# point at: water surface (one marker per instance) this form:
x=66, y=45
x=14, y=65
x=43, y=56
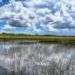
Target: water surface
x=22, y=58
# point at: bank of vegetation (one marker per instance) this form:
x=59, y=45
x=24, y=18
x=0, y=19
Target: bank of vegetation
x=37, y=38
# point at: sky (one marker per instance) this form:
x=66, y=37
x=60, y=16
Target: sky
x=41, y=17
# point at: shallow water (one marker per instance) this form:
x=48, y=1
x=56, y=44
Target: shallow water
x=22, y=58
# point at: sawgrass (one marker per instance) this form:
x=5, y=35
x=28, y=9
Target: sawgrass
x=37, y=38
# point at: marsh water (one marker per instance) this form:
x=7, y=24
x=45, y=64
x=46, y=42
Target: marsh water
x=30, y=58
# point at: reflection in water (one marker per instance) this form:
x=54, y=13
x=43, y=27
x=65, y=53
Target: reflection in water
x=36, y=59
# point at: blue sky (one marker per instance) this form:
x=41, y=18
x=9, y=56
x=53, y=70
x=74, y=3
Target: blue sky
x=42, y=17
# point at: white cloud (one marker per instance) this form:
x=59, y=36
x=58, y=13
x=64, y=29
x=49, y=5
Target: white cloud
x=7, y=27
x=26, y=14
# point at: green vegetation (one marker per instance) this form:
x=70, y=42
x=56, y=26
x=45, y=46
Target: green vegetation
x=38, y=38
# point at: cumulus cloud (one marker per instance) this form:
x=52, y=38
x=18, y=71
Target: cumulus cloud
x=38, y=16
